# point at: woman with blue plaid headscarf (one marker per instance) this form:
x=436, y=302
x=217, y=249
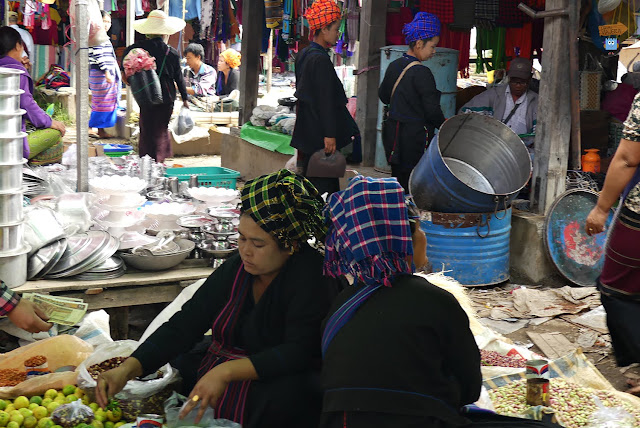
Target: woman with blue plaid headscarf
x=413, y=102
x=397, y=351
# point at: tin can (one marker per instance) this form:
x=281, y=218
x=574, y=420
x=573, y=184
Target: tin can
x=149, y=421
x=538, y=392
x=173, y=185
x=193, y=181
x=537, y=369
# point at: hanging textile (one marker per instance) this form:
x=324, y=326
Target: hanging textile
x=510, y=16
x=395, y=23
x=193, y=9
x=353, y=24
x=493, y=40
x=518, y=41
x=487, y=10
x=286, y=19
x=29, y=18
x=443, y=9
x=45, y=17
x=460, y=41
x=273, y=13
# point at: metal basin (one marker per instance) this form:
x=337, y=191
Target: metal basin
x=11, y=148
x=13, y=267
x=9, y=79
x=155, y=263
x=41, y=227
x=11, y=207
x=11, y=238
x=476, y=164
x=11, y=123
x=10, y=101
x=11, y=177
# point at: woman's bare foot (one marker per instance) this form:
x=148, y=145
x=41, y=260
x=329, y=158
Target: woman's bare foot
x=103, y=134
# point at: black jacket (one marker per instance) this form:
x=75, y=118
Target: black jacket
x=414, y=111
x=171, y=72
x=322, y=104
x=407, y=350
x=223, y=89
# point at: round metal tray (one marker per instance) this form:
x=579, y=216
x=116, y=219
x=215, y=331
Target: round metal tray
x=59, y=252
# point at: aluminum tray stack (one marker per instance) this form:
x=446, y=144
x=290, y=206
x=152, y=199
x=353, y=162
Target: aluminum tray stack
x=13, y=249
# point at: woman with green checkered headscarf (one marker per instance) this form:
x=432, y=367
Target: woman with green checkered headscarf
x=264, y=307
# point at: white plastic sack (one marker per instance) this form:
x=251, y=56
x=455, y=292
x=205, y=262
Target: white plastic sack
x=69, y=158
x=173, y=406
x=184, y=123
x=605, y=6
x=292, y=164
x=134, y=389
x=94, y=328
x=95, y=26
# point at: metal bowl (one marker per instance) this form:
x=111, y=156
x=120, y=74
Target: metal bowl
x=13, y=267
x=11, y=207
x=10, y=79
x=11, y=238
x=217, y=248
x=11, y=177
x=11, y=148
x=11, y=124
x=10, y=101
x=219, y=230
x=159, y=196
x=42, y=227
x=155, y=263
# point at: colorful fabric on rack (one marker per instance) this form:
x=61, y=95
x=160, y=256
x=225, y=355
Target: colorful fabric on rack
x=460, y=41
x=509, y=15
x=443, y=9
x=273, y=13
x=353, y=24
x=395, y=22
x=518, y=41
x=487, y=10
x=321, y=14
x=424, y=26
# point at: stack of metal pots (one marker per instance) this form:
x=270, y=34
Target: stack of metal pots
x=13, y=248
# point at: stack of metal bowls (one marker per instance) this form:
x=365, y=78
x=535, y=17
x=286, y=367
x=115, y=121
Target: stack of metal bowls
x=13, y=249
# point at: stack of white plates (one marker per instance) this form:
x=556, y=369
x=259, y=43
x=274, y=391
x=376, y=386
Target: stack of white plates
x=118, y=202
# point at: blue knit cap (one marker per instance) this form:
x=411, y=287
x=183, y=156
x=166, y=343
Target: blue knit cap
x=424, y=26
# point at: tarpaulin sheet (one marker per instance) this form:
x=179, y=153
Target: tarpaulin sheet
x=269, y=140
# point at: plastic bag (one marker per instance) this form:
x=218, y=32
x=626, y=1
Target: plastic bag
x=173, y=406
x=139, y=396
x=610, y=417
x=95, y=26
x=184, y=124
x=94, y=328
x=145, y=86
x=72, y=414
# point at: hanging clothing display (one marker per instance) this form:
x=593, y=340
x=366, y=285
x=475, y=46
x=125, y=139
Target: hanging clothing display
x=460, y=41
x=395, y=23
x=353, y=24
x=273, y=13
x=510, y=16
x=493, y=40
x=518, y=41
x=443, y=9
x=193, y=9
x=487, y=10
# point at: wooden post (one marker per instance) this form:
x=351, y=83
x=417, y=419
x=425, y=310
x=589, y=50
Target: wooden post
x=372, y=37
x=270, y=62
x=553, y=128
x=250, y=70
x=129, y=37
x=82, y=94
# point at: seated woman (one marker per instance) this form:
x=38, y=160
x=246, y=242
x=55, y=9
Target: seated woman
x=228, y=80
x=398, y=351
x=44, y=145
x=264, y=308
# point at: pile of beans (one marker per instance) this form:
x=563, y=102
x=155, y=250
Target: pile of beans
x=35, y=361
x=573, y=404
x=104, y=366
x=492, y=358
x=12, y=377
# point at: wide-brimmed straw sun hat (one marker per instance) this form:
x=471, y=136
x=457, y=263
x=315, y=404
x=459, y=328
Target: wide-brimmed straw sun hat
x=159, y=22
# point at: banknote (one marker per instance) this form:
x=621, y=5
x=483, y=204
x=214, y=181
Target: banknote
x=60, y=310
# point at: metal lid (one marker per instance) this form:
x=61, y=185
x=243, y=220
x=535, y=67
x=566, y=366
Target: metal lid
x=577, y=256
x=6, y=70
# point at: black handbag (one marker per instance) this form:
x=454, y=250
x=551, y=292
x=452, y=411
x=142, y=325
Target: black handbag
x=145, y=85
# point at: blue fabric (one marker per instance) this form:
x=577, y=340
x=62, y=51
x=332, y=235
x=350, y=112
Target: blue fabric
x=424, y=26
x=194, y=9
x=595, y=20
x=101, y=119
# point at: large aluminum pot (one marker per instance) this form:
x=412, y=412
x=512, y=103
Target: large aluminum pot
x=10, y=101
x=13, y=267
x=11, y=238
x=11, y=177
x=11, y=148
x=9, y=79
x=476, y=164
x=41, y=227
x=11, y=123
x=11, y=207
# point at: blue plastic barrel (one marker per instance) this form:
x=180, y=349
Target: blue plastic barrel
x=443, y=65
x=473, y=247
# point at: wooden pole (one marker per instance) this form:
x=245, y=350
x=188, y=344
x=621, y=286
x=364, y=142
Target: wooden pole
x=270, y=62
x=253, y=21
x=372, y=38
x=553, y=128
x=129, y=38
x=82, y=94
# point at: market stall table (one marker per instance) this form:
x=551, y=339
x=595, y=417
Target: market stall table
x=135, y=288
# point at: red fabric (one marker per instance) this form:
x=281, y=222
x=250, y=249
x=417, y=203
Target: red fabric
x=461, y=41
x=443, y=9
x=519, y=38
x=618, y=102
x=45, y=37
x=510, y=16
x=395, y=22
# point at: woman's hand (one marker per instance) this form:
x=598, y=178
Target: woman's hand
x=596, y=221
x=108, y=76
x=329, y=145
x=56, y=124
x=113, y=381
x=185, y=103
x=207, y=392
x=28, y=316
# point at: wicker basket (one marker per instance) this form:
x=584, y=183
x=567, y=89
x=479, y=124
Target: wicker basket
x=590, y=84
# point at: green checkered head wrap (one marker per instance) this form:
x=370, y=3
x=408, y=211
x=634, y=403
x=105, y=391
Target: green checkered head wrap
x=285, y=205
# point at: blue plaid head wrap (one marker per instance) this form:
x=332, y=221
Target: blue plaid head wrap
x=424, y=26
x=369, y=238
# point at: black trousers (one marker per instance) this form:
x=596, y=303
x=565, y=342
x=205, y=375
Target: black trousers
x=401, y=174
x=324, y=185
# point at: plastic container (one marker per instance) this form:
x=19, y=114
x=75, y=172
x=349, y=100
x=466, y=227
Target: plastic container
x=208, y=176
x=591, y=161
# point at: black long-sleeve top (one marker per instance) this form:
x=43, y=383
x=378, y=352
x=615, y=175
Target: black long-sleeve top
x=280, y=333
x=322, y=104
x=407, y=350
x=170, y=73
x=225, y=88
x=415, y=109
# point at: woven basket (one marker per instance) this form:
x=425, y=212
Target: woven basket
x=590, y=84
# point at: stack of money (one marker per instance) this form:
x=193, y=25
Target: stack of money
x=60, y=310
